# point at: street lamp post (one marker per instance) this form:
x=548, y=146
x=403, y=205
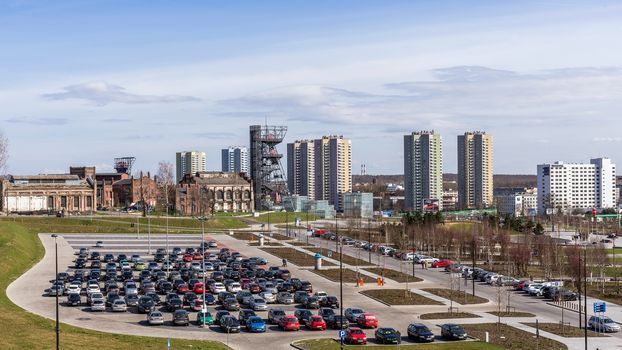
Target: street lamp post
x=340, y=278
x=369, y=238
x=57, y=328
x=203, y=219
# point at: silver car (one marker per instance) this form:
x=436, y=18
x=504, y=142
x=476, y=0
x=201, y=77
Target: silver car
x=258, y=304
x=155, y=318
x=268, y=297
x=98, y=305
x=285, y=298
x=119, y=305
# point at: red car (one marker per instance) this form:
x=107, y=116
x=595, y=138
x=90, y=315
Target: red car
x=182, y=288
x=199, y=288
x=197, y=256
x=442, y=263
x=355, y=335
x=289, y=323
x=198, y=305
x=367, y=320
x=315, y=322
x=187, y=258
x=245, y=282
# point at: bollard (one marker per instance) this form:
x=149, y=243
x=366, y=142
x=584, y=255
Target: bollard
x=487, y=338
x=362, y=282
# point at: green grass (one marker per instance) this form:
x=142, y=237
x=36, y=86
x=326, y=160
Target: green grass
x=282, y=217
x=330, y=344
x=512, y=338
x=20, y=248
x=565, y=331
x=459, y=297
x=447, y=315
x=399, y=297
x=394, y=275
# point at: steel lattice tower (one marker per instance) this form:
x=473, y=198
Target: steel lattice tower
x=266, y=171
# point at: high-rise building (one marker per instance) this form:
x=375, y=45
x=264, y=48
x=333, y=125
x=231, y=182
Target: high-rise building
x=564, y=187
x=333, y=169
x=475, y=170
x=235, y=159
x=301, y=168
x=423, y=171
x=189, y=162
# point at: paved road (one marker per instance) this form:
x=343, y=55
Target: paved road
x=27, y=291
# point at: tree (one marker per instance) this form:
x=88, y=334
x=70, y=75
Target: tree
x=165, y=182
x=4, y=152
x=539, y=229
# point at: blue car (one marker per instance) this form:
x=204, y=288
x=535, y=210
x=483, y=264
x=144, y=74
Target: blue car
x=255, y=324
x=209, y=299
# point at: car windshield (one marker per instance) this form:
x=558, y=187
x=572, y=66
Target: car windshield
x=356, y=331
x=386, y=331
x=156, y=314
x=455, y=328
x=607, y=320
x=255, y=319
x=357, y=311
x=278, y=312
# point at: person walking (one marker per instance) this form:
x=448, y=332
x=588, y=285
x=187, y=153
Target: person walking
x=284, y=262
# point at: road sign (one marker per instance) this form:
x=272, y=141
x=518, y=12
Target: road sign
x=600, y=306
x=342, y=334
x=330, y=253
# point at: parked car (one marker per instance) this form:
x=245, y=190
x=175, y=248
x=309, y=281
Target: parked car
x=453, y=331
x=302, y=315
x=155, y=318
x=219, y=315
x=337, y=322
x=367, y=320
x=119, y=305
x=274, y=315
x=258, y=304
x=145, y=305
x=326, y=312
x=204, y=318
x=603, y=324
x=230, y=324
x=312, y=303
x=285, y=298
x=98, y=305
x=355, y=335
x=442, y=263
x=420, y=332
x=73, y=299
x=289, y=323
x=181, y=318
x=255, y=324
x=315, y=323
x=330, y=301
x=352, y=313
x=387, y=336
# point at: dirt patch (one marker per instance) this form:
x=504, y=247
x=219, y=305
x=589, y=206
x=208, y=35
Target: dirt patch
x=294, y=256
x=566, y=331
x=399, y=297
x=245, y=236
x=511, y=338
x=394, y=275
x=447, y=315
x=456, y=296
x=256, y=244
x=349, y=276
x=511, y=314
x=301, y=244
x=335, y=255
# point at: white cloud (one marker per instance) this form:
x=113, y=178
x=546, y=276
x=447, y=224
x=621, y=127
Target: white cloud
x=102, y=93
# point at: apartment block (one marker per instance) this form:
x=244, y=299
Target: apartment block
x=423, y=171
x=475, y=160
x=333, y=169
x=189, y=162
x=235, y=159
x=301, y=168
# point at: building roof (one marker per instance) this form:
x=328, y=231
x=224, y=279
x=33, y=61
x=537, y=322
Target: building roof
x=216, y=178
x=45, y=177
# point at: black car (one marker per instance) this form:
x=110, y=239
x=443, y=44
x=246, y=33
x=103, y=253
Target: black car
x=326, y=313
x=453, y=332
x=330, y=301
x=181, y=318
x=303, y=315
x=388, y=336
x=245, y=314
x=145, y=305
x=419, y=332
x=111, y=297
x=174, y=304
x=156, y=298
x=274, y=315
x=73, y=299
x=337, y=322
x=312, y=303
x=230, y=324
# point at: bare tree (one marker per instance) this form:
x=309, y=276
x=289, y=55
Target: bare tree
x=165, y=182
x=4, y=152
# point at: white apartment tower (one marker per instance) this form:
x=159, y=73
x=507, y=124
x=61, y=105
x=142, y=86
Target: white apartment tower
x=423, y=171
x=475, y=178
x=333, y=169
x=189, y=162
x=564, y=187
x=235, y=159
x=301, y=168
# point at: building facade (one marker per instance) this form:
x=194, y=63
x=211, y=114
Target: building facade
x=358, y=205
x=475, y=180
x=519, y=203
x=450, y=200
x=333, y=169
x=189, y=162
x=38, y=194
x=566, y=187
x=423, y=171
x=301, y=168
x=235, y=159
x=205, y=193
x=136, y=190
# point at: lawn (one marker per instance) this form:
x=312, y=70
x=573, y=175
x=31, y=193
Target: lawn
x=283, y=217
x=459, y=297
x=20, y=248
x=394, y=275
x=349, y=276
x=447, y=315
x=331, y=344
x=566, y=331
x=399, y=297
x=294, y=256
x=335, y=255
x=508, y=337
x=511, y=314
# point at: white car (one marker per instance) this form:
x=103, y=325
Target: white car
x=234, y=287
x=534, y=289
x=258, y=304
x=217, y=288
x=491, y=279
x=426, y=259
x=268, y=297
x=92, y=288
x=603, y=324
x=269, y=287
x=195, y=266
x=155, y=318
x=95, y=296
x=119, y=305
x=320, y=294
x=131, y=288
x=73, y=288
x=98, y=305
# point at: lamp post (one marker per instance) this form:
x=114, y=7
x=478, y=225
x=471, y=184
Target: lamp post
x=57, y=328
x=167, y=251
x=203, y=219
x=369, y=238
x=340, y=245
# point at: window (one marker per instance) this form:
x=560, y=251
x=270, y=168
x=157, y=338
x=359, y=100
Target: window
x=89, y=201
x=219, y=195
x=76, y=202
x=228, y=195
x=63, y=202
x=50, y=202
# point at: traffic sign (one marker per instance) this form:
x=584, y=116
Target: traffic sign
x=600, y=306
x=342, y=334
x=330, y=253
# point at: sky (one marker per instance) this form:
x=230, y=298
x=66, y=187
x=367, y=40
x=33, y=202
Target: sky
x=82, y=82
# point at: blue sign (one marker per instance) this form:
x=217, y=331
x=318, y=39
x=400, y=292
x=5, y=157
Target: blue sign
x=600, y=306
x=342, y=334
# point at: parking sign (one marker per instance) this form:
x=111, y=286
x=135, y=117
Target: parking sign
x=342, y=334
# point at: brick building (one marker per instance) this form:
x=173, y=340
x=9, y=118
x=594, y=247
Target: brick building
x=209, y=192
x=131, y=190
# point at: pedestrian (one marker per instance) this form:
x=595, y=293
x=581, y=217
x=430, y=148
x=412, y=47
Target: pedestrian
x=284, y=262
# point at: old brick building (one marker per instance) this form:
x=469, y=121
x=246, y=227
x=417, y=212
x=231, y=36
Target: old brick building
x=132, y=190
x=209, y=192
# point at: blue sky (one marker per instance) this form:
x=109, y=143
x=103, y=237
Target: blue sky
x=86, y=81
